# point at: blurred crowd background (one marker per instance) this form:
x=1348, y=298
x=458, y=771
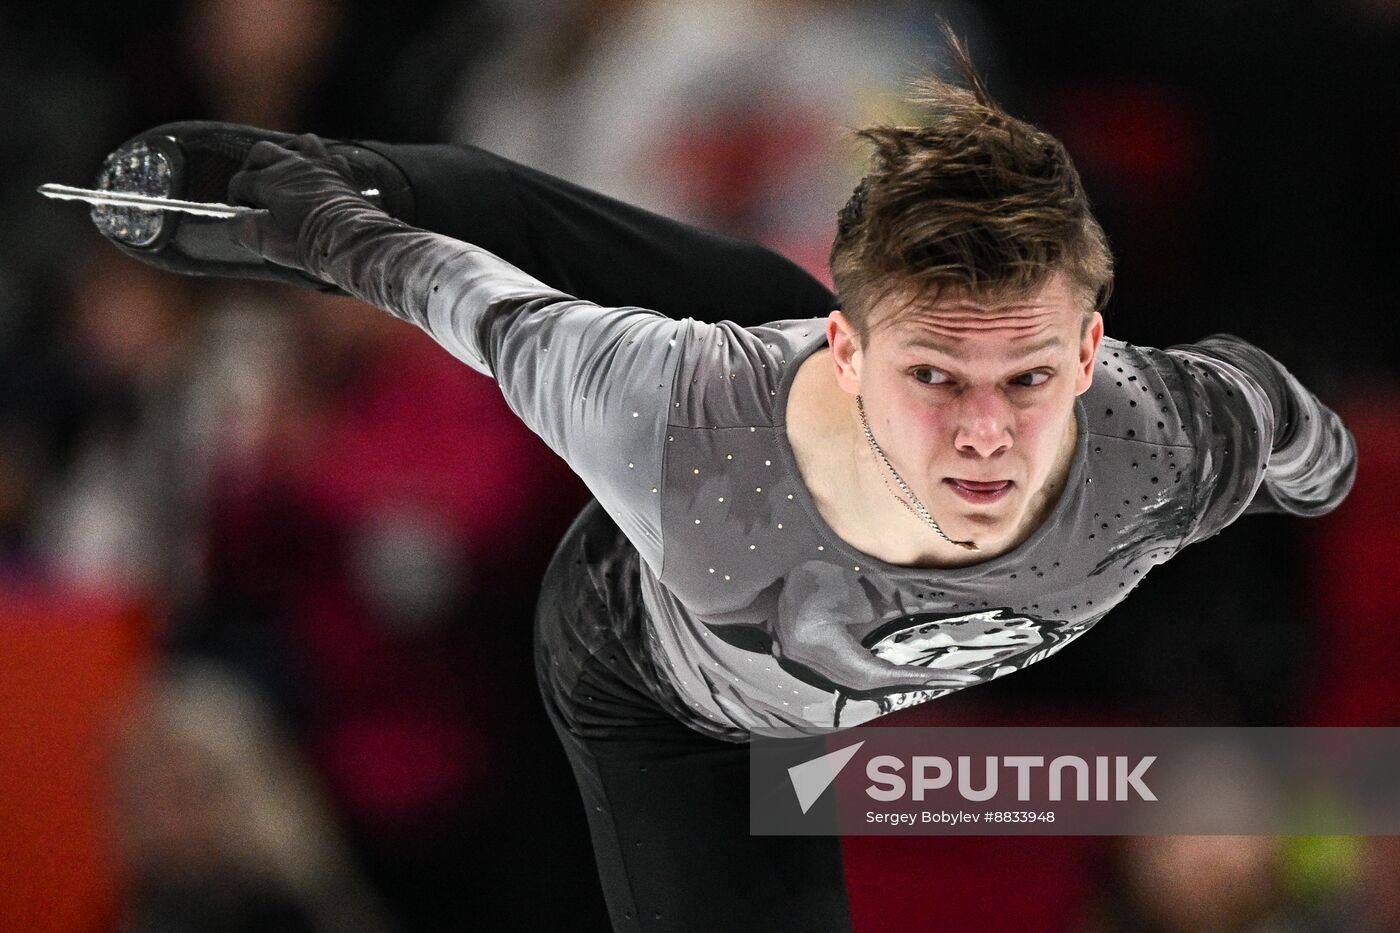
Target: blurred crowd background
x=265, y=614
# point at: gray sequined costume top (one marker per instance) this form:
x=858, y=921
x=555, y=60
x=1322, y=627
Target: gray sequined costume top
x=677, y=427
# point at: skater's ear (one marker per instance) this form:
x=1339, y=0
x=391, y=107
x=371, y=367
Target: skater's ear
x=1088, y=349
x=846, y=351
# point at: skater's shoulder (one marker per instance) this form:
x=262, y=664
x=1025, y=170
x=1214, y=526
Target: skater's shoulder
x=1135, y=397
x=731, y=376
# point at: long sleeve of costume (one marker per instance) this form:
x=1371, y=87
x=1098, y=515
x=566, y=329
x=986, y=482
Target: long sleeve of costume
x=1268, y=445
x=593, y=382
x=592, y=246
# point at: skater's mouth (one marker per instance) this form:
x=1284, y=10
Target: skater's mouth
x=980, y=491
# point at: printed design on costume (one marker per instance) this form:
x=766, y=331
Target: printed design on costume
x=837, y=630
x=989, y=643
x=1151, y=533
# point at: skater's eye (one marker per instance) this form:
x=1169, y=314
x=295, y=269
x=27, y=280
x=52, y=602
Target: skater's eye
x=1032, y=379
x=930, y=376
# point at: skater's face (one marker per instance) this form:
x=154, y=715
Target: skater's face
x=973, y=401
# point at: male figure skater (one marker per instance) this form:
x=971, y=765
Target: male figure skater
x=806, y=522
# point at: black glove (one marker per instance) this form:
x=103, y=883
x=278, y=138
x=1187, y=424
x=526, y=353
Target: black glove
x=288, y=184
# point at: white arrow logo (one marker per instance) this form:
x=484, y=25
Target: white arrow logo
x=811, y=778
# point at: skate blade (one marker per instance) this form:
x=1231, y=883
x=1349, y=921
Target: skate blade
x=143, y=202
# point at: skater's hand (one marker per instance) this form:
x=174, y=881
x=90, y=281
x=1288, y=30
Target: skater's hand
x=287, y=184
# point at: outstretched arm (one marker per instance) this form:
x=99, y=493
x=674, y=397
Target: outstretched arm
x=593, y=382
x=596, y=247
x=1266, y=443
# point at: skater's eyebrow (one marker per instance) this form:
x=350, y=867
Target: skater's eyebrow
x=956, y=354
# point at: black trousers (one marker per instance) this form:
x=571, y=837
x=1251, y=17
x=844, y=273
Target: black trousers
x=667, y=807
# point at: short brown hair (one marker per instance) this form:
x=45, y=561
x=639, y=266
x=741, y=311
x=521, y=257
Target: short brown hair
x=973, y=200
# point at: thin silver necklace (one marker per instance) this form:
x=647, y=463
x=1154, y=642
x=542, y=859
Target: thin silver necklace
x=908, y=500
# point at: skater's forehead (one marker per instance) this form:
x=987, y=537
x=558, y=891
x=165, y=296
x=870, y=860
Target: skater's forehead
x=1010, y=348
x=1011, y=326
